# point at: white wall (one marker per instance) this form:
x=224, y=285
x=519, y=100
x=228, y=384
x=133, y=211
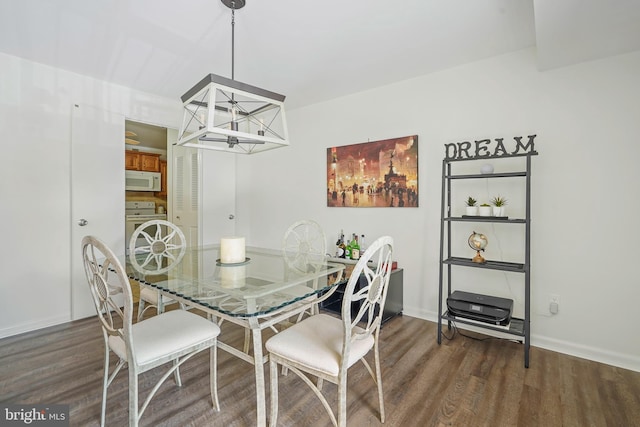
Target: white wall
x=584, y=203
x=585, y=116
x=35, y=133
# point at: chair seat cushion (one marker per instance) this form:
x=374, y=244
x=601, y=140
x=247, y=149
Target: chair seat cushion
x=316, y=343
x=160, y=338
x=150, y=295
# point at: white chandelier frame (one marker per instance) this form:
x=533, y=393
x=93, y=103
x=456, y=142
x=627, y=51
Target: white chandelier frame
x=259, y=123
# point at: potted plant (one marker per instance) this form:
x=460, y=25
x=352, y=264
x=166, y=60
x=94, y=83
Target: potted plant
x=472, y=208
x=499, y=204
x=485, y=209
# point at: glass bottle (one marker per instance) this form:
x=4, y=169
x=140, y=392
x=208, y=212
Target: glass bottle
x=362, y=245
x=347, y=250
x=340, y=245
x=355, y=248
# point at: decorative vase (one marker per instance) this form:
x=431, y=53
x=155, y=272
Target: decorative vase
x=472, y=210
x=484, y=210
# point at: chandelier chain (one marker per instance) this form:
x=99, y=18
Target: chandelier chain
x=233, y=44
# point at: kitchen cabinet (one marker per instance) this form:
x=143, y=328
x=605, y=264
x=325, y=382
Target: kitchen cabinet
x=139, y=161
x=163, y=179
x=149, y=162
x=132, y=160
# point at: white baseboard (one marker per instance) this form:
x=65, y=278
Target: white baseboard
x=32, y=326
x=585, y=352
x=625, y=361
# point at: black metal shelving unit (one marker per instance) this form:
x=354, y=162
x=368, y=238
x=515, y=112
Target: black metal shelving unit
x=517, y=327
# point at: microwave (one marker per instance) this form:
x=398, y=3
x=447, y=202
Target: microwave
x=142, y=181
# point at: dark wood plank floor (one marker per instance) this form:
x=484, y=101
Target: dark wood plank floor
x=463, y=382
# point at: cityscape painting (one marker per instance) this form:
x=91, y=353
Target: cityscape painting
x=374, y=174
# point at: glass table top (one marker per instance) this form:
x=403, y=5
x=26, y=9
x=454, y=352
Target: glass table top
x=265, y=282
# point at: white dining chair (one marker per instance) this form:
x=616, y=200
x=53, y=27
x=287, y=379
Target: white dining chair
x=304, y=246
x=155, y=247
x=304, y=242
x=174, y=336
x=326, y=347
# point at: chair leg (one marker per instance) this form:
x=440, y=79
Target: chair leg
x=342, y=401
x=140, y=309
x=273, y=374
x=160, y=306
x=176, y=374
x=133, y=397
x=213, y=372
x=379, y=382
x=247, y=339
x=105, y=385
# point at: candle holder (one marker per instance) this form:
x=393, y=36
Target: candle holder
x=232, y=264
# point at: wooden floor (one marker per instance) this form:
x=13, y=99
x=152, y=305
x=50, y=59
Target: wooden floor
x=463, y=382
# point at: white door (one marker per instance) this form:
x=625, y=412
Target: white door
x=185, y=179
x=203, y=192
x=218, y=193
x=97, y=192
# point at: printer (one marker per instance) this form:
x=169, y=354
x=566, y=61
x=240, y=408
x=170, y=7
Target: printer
x=481, y=308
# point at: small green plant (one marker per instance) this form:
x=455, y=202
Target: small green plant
x=471, y=201
x=486, y=205
x=499, y=201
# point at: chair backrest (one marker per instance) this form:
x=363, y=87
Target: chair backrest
x=371, y=295
x=107, y=278
x=303, y=243
x=156, y=247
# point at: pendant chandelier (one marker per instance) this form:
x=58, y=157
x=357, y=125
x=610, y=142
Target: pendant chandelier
x=226, y=115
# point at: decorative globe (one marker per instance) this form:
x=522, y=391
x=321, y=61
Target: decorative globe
x=478, y=242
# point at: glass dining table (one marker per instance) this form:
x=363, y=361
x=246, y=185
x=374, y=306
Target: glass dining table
x=266, y=289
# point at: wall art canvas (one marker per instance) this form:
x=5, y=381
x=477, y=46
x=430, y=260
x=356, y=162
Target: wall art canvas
x=374, y=174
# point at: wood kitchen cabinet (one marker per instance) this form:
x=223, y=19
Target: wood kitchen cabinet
x=139, y=161
x=163, y=179
x=150, y=162
x=132, y=160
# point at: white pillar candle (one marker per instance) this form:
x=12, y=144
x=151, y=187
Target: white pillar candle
x=232, y=277
x=232, y=250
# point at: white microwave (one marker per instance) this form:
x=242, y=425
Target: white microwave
x=142, y=181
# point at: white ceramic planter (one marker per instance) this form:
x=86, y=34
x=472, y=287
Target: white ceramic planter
x=472, y=210
x=486, y=169
x=484, y=210
x=499, y=211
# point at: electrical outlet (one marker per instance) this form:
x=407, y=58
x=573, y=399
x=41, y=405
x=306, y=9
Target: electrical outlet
x=554, y=304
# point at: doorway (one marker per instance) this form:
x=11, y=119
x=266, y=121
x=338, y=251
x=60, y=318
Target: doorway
x=146, y=151
x=145, y=155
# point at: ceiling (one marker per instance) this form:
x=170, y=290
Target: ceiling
x=310, y=51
